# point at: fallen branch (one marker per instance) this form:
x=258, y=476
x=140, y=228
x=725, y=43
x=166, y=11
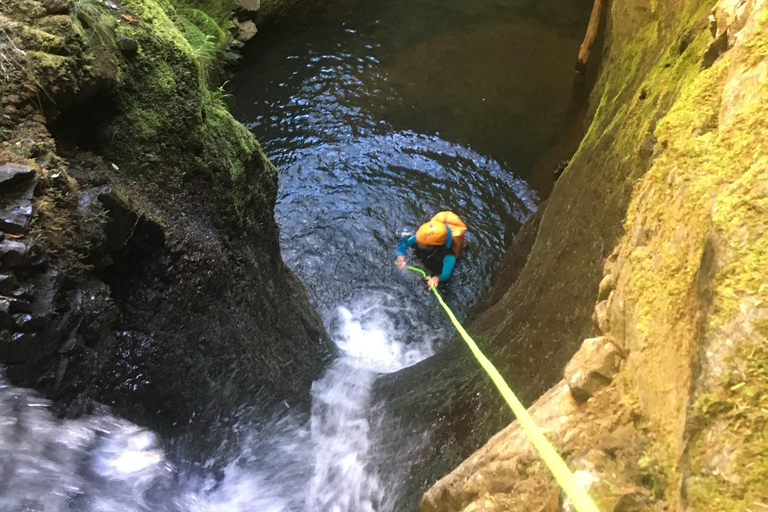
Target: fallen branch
x=585, y=50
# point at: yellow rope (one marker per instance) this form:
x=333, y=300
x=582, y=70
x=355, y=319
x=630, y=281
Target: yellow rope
x=577, y=494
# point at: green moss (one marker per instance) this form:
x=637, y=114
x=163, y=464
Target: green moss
x=685, y=133
x=742, y=421
x=702, y=189
x=708, y=186
x=172, y=125
x=162, y=90
x=233, y=140
x=635, y=104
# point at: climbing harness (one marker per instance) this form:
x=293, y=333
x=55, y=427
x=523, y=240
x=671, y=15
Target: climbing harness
x=575, y=492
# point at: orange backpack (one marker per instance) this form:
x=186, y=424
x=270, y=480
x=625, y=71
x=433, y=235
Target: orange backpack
x=433, y=233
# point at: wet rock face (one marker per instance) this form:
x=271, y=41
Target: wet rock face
x=17, y=186
x=145, y=274
x=11, y=174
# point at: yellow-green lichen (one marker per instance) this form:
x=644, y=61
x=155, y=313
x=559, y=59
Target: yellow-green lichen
x=706, y=191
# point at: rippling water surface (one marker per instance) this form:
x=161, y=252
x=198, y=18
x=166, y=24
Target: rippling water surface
x=380, y=114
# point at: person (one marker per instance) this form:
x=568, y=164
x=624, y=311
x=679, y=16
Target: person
x=437, y=243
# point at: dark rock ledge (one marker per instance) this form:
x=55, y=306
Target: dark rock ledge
x=139, y=258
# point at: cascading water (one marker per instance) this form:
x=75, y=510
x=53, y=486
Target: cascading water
x=324, y=464
x=103, y=464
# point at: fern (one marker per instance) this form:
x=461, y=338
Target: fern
x=204, y=36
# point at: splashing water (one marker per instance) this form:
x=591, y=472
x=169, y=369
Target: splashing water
x=104, y=464
x=325, y=465
x=96, y=464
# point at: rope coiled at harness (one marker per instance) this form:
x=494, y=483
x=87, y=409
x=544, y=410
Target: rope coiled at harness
x=575, y=492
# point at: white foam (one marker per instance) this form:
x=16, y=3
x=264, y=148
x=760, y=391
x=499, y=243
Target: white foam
x=323, y=465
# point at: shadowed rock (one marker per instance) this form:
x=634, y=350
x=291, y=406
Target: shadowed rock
x=13, y=174
x=13, y=253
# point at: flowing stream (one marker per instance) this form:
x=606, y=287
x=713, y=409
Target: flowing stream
x=288, y=463
x=378, y=115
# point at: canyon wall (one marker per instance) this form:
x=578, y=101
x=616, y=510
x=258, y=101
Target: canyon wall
x=652, y=257
x=140, y=259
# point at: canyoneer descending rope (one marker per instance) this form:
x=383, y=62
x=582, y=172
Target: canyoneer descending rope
x=437, y=244
x=575, y=492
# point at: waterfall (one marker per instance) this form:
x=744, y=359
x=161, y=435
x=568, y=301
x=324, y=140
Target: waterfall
x=101, y=463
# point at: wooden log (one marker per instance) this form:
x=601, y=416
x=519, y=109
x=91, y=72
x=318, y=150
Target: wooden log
x=589, y=38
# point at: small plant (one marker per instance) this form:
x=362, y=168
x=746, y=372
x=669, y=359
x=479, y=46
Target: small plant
x=93, y=21
x=205, y=24
x=204, y=36
x=9, y=54
x=220, y=97
x=205, y=50
x=654, y=474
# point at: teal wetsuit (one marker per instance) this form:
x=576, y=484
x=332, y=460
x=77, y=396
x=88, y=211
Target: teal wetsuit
x=435, y=257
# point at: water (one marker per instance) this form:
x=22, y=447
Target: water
x=97, y=464
x=378, y=115
x=285, y=463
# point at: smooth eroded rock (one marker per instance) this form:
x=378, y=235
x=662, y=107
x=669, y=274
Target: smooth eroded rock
x=127, y=45
x=246, y=30
x=607, y=285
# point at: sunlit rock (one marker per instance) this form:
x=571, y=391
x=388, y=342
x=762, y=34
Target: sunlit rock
x=593, y=367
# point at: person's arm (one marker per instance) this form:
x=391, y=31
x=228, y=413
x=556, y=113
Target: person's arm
x=406, y=242
x=448, y=263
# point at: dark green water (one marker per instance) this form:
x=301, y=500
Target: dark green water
x=379, y=114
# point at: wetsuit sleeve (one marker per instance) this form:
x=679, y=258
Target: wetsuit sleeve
x=448, y=263
x=406, y=242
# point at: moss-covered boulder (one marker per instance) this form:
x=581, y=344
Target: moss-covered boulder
x=154, y=271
